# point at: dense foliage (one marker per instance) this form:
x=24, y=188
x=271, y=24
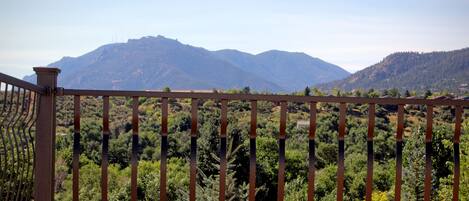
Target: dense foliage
x=435, y=71
x=267, y=148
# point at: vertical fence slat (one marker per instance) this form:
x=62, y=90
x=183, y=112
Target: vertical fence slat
x=311, y=151
x=10, y=131
x=9, y=149
x=134, y=157
x=341, y=158
x=281, y=152
x=4, y=165
x=369, y=170
x=24, y=188
x=164, y=148
x=457, y=134
x=20, y=142
x=223, y=165
x=428, y=154
x=399, y=134
x=15, y=158
x=252, y=152
x=193, y=163
x=14, y=144
x=76, y=149
x=105, y=148
x=30, y=124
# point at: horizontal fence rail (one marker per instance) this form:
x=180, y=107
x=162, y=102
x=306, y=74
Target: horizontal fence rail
x=21, y=84
x=18, y=114
x=259, y=97
x=282, y=100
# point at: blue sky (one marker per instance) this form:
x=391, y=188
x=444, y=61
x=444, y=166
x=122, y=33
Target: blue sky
x=351, y=34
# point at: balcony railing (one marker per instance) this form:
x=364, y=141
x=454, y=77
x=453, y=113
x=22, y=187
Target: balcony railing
x=46, y=91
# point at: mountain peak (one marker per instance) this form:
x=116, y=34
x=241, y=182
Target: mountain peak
x=153, y=39
x=281, y=52
x=66, y=58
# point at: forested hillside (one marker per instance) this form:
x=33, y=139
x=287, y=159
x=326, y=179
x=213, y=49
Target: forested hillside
x=436, y=71
x=267, y=157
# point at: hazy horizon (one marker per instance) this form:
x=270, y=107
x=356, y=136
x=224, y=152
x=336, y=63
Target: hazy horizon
x=352, y=35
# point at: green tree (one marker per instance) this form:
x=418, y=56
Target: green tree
x=208, y=189
x=446, y=189
x=357, y=93
x=325, y=183
x=166, y=89
x=336, y=92
x=372, y=94
x=307, y=92
x=246, y=90
x=407, y=93
x=317, y=92
x=413, y=165
x=428, y=93
x=296, y=190
x=394, y=92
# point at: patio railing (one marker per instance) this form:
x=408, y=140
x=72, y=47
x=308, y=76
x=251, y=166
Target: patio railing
x=40, y=103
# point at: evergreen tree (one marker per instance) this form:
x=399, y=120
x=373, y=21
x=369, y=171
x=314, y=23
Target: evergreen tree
x=317, y=92
x=414, y=165
x=394, y=92
x=357, y=93
x=246, y=90
x=307, y=91
x=428, y=93
x=407, y=93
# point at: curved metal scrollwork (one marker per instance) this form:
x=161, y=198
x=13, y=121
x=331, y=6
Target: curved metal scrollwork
x=18, y=111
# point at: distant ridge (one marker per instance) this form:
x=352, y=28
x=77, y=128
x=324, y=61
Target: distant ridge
x=436, y=71
x=293, y=71
x=156, y=62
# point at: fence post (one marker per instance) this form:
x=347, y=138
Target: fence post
x=45, y=135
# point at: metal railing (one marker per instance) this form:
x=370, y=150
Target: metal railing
x=283, y=99
x=18, y=105
x=47, y=79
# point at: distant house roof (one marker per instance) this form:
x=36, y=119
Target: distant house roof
x=463, y=98
x=302, y=124
x=445, y=97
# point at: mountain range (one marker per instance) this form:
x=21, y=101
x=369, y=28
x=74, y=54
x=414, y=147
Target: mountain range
x=152, y=63
x=435, y=71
